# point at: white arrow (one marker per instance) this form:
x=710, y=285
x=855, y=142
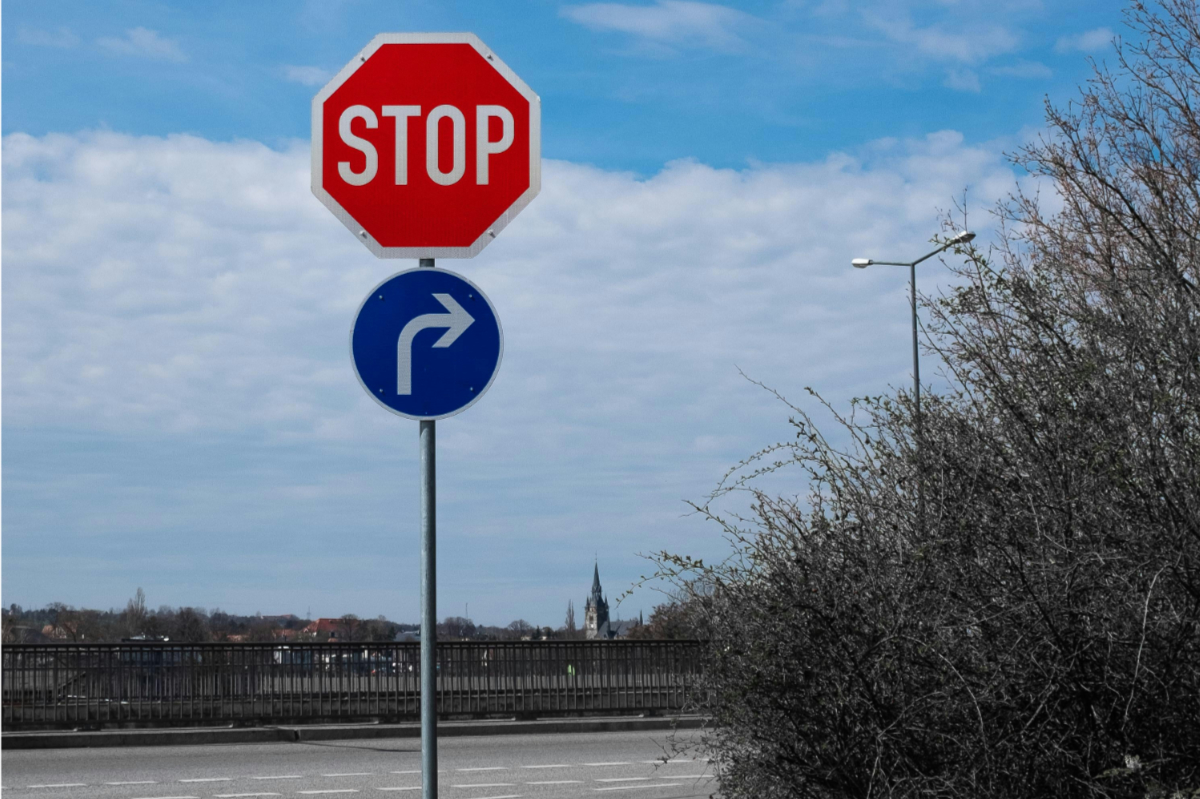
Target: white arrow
x=457, y=321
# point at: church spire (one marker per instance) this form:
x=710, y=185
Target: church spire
x=596, y=610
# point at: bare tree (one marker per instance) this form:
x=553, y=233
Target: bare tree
x=134, y=617
x=569, y=628
x=519, y=629
x=76, y=625
x=379, y=629
x=349, y=628
x=191, y=626
x=260, y=630
x=675, y=619
x=456, y=627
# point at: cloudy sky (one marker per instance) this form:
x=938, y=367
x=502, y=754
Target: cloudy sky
x=179, y=408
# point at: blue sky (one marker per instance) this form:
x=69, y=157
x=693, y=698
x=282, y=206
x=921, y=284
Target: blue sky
x=179, y=411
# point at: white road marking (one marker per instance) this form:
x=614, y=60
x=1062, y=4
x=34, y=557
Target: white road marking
x=351, y=774
x=242, y=795
x=280, y=777
x=60, y=785
x=684, y=776
x=133, y=782
x=636, y=787
x=506, y=796
x=168, y=797
x=623, y=779
x=553, y=765
x=334, y=790
x=557, y=782
x=413, y=788
x=417, y=771
x=209, y=779
x=487, y=785
x=484, y=768
x=608, y=764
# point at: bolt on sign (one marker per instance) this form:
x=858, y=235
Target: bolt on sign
x=426, y=145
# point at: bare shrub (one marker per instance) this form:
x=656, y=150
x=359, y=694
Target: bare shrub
x=1039, y=634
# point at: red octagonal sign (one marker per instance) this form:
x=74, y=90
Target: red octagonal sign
x=426, y=145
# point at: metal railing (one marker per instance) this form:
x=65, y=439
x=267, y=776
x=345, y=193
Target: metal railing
x=59, y=685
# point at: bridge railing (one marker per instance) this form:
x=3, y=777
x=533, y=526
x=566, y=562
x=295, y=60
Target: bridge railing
x=135, y=684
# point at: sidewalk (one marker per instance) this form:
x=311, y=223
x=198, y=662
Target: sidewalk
x=57, y=739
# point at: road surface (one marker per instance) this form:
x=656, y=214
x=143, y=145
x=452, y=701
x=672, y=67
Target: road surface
x=635, y=764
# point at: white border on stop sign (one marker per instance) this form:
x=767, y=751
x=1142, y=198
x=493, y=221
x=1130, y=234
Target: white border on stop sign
x=535, y=146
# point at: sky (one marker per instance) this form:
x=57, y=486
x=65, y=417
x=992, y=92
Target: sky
x=179, y=409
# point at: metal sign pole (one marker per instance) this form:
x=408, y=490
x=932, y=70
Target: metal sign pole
x=428, y=446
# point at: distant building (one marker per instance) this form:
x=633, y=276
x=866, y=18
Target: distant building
x=596, y=623
x=59, y=633
x=621, y=629
x=335, y=629
x=595, y=613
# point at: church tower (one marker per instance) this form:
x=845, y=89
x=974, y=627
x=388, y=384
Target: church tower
x=595, y=618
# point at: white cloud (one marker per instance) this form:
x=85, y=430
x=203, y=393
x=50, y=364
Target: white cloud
x=667, y=22
x=967, y=44
x=205, y=258
x=1022, y=69
x=63, y=38
x=184, y=291
x=144, y=43
x=308, y=76
x=963, y=80
x=1087, y=42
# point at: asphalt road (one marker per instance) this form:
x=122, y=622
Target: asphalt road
x=648, y=764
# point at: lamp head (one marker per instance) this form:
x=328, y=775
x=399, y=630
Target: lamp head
x=861, y=263
x=962, y=238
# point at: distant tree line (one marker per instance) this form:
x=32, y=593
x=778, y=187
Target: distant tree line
x=61, y=622
x=460, y=628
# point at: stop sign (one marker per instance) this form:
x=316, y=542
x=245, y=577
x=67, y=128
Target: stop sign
x=426, y=145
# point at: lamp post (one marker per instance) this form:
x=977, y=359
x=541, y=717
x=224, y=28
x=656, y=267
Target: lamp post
x=862, y=263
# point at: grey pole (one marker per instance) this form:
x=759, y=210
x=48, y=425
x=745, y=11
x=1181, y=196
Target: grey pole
x=917, y=398
x=428, y=446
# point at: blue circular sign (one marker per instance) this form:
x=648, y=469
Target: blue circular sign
x=426, y=343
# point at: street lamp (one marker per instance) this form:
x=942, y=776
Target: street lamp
x=862, y=263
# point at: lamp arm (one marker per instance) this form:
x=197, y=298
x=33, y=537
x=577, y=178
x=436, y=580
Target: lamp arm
x=961, y=238
x=943, y=248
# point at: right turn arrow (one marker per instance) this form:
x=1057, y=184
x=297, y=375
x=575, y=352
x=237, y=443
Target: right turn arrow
x=457, y=321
